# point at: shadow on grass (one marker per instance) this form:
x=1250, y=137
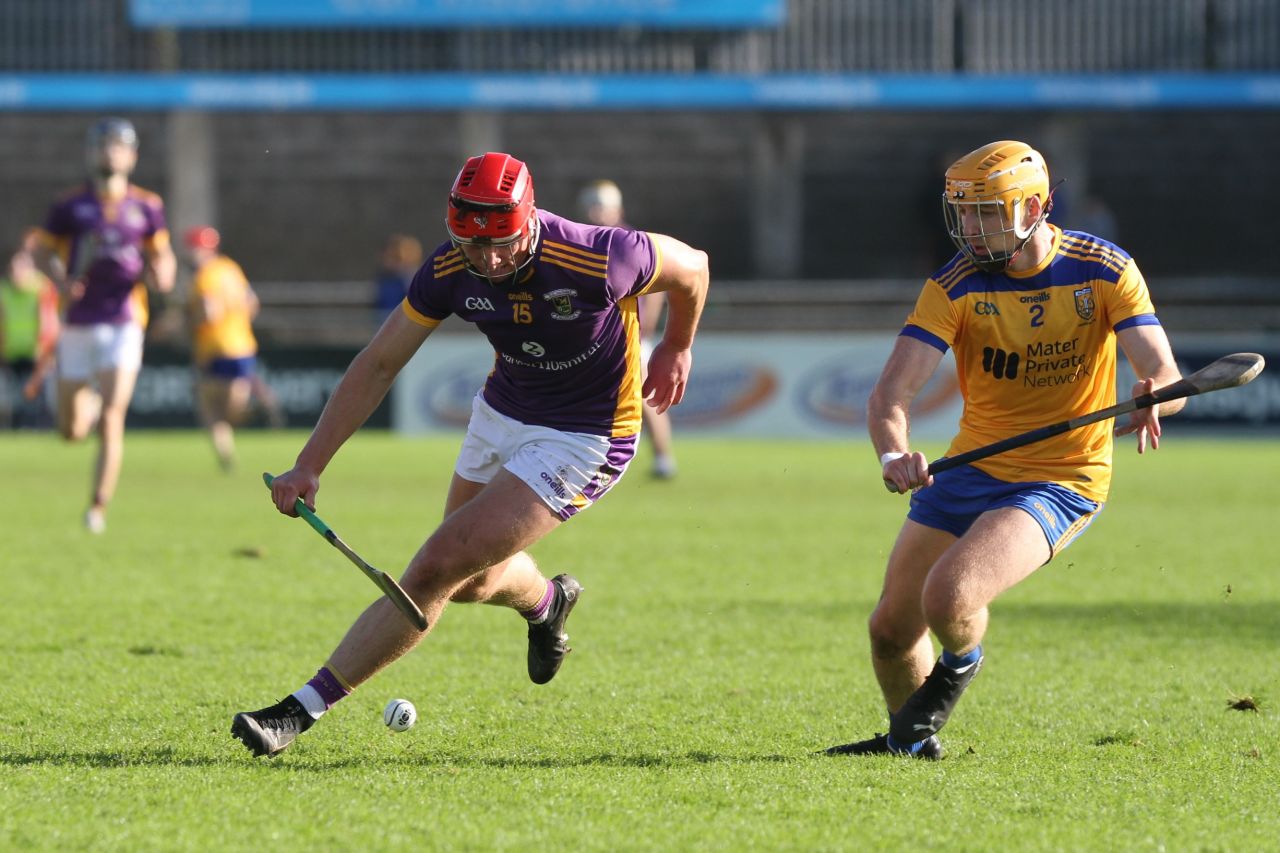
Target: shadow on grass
x=298, y=760
x=604, y=759
x=119, y=758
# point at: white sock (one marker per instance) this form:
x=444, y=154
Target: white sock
x=310, y=699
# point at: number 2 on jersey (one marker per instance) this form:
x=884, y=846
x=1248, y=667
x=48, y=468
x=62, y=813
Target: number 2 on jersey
x=1037, y=315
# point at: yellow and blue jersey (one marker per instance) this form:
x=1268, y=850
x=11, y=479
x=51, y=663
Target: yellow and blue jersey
x=231, y=334
x=1037, y=347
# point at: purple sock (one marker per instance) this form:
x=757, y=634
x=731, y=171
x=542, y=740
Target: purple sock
x=329, y=687
x=539, y=612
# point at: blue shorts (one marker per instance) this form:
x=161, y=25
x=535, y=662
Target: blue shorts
x=957, y=497
x=231, y=368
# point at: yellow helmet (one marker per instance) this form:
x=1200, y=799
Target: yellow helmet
x=998, y=176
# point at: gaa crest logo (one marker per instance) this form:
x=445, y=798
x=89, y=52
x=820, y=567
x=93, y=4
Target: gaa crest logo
x=562, y=301
x=1085, y=304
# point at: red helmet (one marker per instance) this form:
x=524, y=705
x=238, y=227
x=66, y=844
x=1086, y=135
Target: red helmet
x=202, y=237
x=491, y=201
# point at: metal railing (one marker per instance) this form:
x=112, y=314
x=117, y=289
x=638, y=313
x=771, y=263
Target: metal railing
x=873, y=36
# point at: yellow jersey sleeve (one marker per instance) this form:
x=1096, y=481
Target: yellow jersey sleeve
x=935, y=320
x=1127, y=302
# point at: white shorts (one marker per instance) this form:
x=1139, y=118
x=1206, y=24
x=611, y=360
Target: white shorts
x=85, y=351
x=568, y=470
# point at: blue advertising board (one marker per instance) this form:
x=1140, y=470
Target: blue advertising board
x=453, y=14
x=448, y=91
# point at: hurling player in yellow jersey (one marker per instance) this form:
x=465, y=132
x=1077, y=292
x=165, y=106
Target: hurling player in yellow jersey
x=221, y=306
x=1033, y=314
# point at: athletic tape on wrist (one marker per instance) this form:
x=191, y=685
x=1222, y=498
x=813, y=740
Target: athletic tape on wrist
x=886, y=458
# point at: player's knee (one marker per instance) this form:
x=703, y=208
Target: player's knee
x=943, y=608
x=472, y=591
x=889, y=637
x=436, y=569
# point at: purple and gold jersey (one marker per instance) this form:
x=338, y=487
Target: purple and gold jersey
x=1034, y=348
x=565, y=336
x=102, y=243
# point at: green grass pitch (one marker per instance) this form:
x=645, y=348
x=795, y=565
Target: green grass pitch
x=720, y=643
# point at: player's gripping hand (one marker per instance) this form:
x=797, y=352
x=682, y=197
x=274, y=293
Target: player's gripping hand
x=1144, y=422
x=290, y=486
x=905, y=472
x=668, y=376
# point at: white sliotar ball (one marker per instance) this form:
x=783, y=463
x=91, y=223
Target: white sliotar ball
x=400, y=715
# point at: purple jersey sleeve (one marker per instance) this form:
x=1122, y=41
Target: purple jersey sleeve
x=633, y=263
x=153, y=210
x=430, y=293
x=58, y=222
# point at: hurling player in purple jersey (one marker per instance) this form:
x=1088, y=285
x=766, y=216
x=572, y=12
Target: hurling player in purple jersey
x=551, y=431
x=98, y=243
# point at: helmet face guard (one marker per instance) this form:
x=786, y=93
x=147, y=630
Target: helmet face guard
x=491, y=206
x=103, y=135
x=985, y=202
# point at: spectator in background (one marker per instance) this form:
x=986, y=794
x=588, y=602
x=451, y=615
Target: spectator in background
x=98, y=242
x=601, y=204
x=221, y=309
x=400, y=260
x=28, y=335
x=1095, y=217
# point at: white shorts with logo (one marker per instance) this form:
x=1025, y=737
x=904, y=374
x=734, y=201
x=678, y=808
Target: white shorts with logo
x=568, y=470
x=85, y=351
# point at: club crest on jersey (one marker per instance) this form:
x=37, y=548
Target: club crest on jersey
x=562, y=301
x=1084, y=303
x=133, y=217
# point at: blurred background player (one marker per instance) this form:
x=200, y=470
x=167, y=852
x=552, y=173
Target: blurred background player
x=601, y=204
x=552, y=430
x=221, y=307
x=98, y=243
x=1034, y=314
x=28, y=335
x=400, y=259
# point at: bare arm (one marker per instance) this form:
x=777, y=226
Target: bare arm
x=162, y=266
x=1148, y=351
x=49, y=262
x=908, y=369
x=359, y=392
x=684, y=278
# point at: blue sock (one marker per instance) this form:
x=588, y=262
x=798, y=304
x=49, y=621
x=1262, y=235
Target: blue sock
x=909, y=749
x=954, y=661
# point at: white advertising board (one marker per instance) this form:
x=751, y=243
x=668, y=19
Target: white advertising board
x=752, y=385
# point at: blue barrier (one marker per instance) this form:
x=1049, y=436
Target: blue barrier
x=634, y=92
x=471, y=14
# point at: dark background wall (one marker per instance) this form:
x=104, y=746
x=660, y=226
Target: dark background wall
x=311, y=196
